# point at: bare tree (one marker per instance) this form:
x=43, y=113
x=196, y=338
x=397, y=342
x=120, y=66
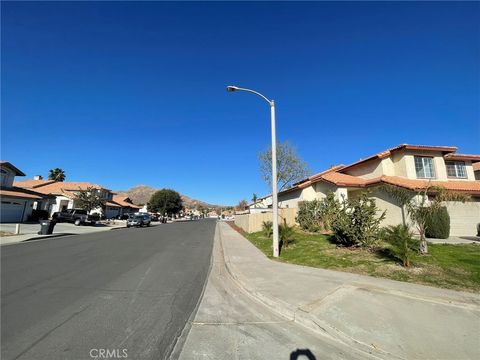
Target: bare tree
x=242, y=205
x=291, y=168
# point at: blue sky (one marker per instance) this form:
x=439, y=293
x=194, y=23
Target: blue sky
x=122, y=94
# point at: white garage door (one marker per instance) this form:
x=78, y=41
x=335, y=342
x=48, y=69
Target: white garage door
x=11, y=210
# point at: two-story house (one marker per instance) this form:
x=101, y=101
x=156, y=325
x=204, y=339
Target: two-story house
x=17, y=204
x=413, y=167
x=64, y=194
x=126, y=205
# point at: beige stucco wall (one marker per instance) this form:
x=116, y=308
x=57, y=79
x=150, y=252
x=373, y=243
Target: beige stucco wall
x=316, y=191
x=321, y=189
x=469, y=170
x=367, y=170
x=253, y=222
x=394, y=214
x=309, y=194
x=290, y=199
x=464, y=217
x=402, y=163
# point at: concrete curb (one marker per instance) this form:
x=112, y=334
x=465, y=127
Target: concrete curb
x=302, y=317
x=44, y=237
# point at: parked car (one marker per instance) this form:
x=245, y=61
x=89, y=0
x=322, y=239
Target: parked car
x=138, y=220
x=154, y=217
x=76, y=216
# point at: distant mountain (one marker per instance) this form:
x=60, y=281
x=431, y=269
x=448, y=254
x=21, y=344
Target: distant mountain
x=141, y=194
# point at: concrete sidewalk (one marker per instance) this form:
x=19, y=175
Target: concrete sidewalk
x=30, y=231
x=387, y=318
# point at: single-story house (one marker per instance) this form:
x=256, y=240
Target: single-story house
x=412, y=167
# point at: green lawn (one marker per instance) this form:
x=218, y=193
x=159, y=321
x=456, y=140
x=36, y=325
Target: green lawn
x=448, y=266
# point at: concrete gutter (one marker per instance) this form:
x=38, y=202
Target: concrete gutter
x=383, y=318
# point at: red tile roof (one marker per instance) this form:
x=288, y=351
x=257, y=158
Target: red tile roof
x=112, y=204
x=471, y=187
x=316, y=177
x=339, y=179
x=125, y=201
x=31, y=184
x=62, y=187
x=453, y=156
x=344, y=180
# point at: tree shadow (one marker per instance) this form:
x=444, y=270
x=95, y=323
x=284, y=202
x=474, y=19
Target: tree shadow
x=281, y=245
x=302, y=354
x=386, y=254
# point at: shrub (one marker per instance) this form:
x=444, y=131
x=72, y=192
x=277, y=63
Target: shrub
x=285, y=233
x=403, y=245
x=267, y=228
x=357, y=222
x=437, y=223
x=308, y=215
x=318, y=215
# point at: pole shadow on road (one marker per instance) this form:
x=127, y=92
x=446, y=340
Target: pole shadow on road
x=302, y=354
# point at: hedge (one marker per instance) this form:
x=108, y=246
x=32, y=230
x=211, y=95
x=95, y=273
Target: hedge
x=438, y=224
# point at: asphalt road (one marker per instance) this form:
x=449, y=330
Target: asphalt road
x=122, y=293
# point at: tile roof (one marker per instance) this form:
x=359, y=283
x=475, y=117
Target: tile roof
x=345, y=180
x=461, y=157
x=339, y=179
x=112, y=204
x=125, y=201
x=9, y=165
x=19, y=193
x=61, y=187
x=472, y=187
x=317, y=177
x=388, y=152
x=31, y=184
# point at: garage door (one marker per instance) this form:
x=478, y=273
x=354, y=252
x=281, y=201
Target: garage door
x=12, y=210
x=464, y=217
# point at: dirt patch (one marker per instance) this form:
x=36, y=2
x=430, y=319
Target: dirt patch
x=6, y=233
x=236, y=228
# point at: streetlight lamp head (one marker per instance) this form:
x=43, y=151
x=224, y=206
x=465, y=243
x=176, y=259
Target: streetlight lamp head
x=232, y=88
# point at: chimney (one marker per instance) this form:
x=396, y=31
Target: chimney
x=37, y=177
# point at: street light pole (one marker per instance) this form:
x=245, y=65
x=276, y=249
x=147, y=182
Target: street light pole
x=276, y=250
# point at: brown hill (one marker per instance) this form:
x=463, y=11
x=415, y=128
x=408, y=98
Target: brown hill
x=141, y=194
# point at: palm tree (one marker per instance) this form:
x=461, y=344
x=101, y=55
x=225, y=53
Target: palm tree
x=56, y=174
x=254, y=199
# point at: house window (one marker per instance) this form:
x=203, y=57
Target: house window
x=456, y=169
x=4, y=175
x=424, y=167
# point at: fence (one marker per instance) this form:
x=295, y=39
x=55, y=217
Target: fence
x=253, y=222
